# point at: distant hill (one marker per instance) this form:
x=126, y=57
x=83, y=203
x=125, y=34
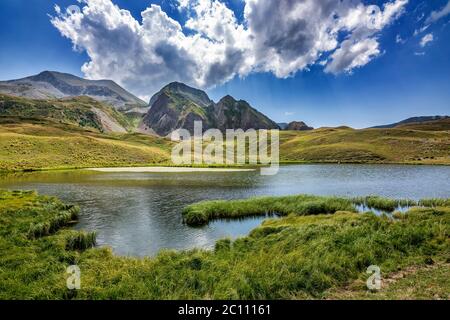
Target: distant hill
x=55, y=85
x=412, y=120
x=298, y=126
x=403, y=144
x=177, y=106
x=83, y=112
x=435, y=125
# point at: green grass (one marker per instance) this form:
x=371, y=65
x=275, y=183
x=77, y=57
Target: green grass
x=422, y=282
x=35, y=146
x=434, y=202
x=80, y=240
x=202, y=212
x=385, y=204
x=411, y=144
x=293, y=257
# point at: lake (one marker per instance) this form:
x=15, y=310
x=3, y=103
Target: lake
x=138, y=214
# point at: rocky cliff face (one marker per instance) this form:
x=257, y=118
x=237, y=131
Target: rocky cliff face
x=177, y=106
x=298, y=126
x=51, y=85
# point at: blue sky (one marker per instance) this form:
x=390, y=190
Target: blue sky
x=404, y=74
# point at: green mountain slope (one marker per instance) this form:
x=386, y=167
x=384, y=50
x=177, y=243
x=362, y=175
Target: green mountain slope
x=84, y=112
x=413, y=121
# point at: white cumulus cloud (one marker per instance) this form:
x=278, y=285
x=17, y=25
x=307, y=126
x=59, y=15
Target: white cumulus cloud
x=426, y=39
x=212, y=47
x=353, y=54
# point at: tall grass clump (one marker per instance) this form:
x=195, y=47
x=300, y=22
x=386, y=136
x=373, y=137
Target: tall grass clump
x=81, y=240
x=202, y=212
x=383, y=204
x=434, y=202
x=62, y=219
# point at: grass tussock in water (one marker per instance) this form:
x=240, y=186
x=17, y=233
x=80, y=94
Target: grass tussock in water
x=384, y=204
x=296, y=256
x=202, y=212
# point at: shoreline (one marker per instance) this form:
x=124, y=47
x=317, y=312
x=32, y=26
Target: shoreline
x=235, y=168
x=167, y=169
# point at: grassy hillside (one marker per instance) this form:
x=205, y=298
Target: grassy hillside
x=38, y=144
x=294, y=257
x=47, y=145
x=427, y=143
x=83, y=112
x=437, y=125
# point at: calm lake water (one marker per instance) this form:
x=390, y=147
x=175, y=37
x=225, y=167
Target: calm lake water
x=140, y=213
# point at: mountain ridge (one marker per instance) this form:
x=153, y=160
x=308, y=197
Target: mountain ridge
x=411, y=120
x=177, y=105
x=56, y=85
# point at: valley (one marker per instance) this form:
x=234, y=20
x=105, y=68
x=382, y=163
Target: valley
x=35, y=144
x=210, y=158
x=56, y=130
x=164, y=233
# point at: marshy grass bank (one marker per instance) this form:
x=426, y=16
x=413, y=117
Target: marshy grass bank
x=309, y=256
x=202, y=212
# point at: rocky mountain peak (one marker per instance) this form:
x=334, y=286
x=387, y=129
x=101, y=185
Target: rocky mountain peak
x=178, y=105
x=43, y=76
x=227, y=100
x=181, y=90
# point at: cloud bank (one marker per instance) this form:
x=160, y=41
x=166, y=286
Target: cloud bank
x=281, y=37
